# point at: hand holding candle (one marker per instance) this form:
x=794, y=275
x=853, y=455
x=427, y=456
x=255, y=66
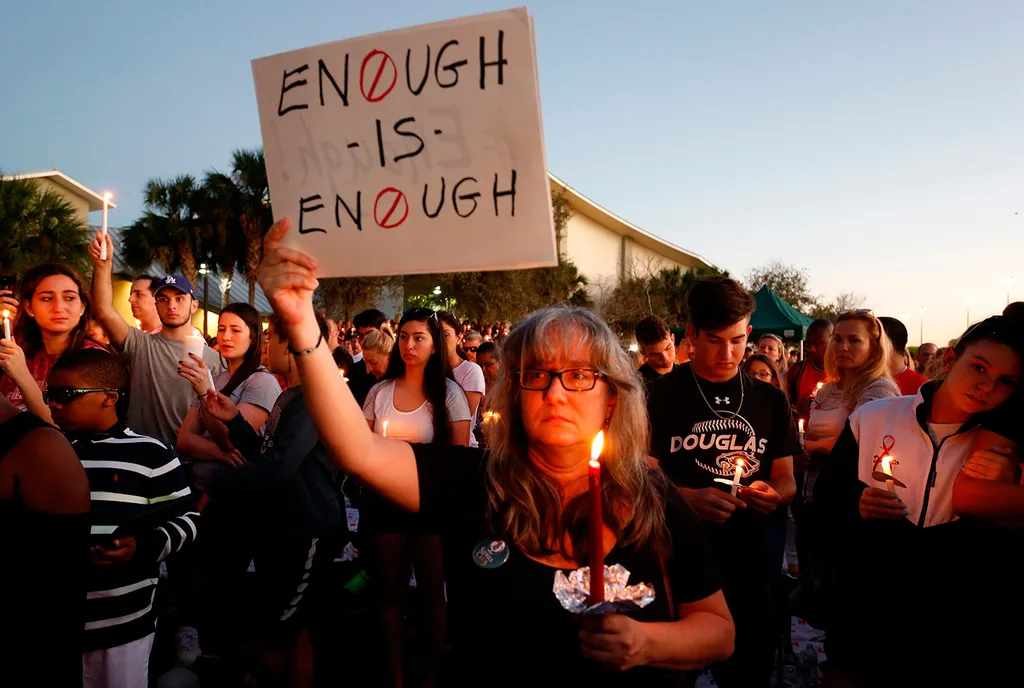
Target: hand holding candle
x=596, y=523
x=736, y=476
x=103, y=229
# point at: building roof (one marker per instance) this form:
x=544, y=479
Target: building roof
x=60, y=179
x=606, y=218
x=238, y=293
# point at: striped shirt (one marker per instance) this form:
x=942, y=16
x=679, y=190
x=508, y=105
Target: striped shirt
x=129, y=475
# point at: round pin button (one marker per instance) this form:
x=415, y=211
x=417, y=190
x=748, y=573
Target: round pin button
x=490, y=554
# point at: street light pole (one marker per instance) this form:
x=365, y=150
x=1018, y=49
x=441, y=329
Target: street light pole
x=1009, y=283
x=969, y=299
x=922, y=326
x=205, y=272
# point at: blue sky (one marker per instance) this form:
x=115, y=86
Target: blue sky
x=877, y=144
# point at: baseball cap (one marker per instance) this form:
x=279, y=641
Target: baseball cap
x=175, y=282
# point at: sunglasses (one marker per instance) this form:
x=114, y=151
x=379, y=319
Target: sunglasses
x=472, y=348
x=65, y=395
x=856, y=311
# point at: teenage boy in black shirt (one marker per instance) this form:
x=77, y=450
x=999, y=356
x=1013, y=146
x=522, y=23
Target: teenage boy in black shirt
x=707, y=419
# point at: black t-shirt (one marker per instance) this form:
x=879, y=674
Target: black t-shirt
x=649, y=374
x=506, y=625
x=695, y=446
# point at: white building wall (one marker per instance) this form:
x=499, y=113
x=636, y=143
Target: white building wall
x=596, y=250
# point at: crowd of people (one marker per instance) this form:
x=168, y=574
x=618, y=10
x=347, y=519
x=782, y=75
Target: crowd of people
x=156, y=484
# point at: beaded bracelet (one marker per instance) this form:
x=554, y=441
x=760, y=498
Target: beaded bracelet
x=304, y=352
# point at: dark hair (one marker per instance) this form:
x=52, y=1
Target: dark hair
x=999, y=329
x=436, y=375
x=449, y=319
x=147, y=277
x=897, y=332
x=369, y=318
x=772, y=366
x=651, y=330
x=26, y=330
x=717, y=302
x=489, y=348
x=98, y=368
x=251, y=363
x=820, y=325
x=1014, y=310
x=343, y=359
x=321, y=321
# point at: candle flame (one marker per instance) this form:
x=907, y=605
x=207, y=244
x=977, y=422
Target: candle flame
x=385, y=428
x=7, y=314
x=801, y=424
x=597, y=447
x=489, y=417
x=820, y=385
x=887, y=465
x=739, y=462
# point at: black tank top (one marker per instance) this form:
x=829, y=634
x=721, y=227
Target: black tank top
x=43, y=582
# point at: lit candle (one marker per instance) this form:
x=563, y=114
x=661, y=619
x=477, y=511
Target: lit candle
x=817, y=389
x=385, y=428
x=800, y=428
x=138, y=324
x=7, y=324
x=103, y=229
x=887, y=469
x=596, y=522
x=341, y=371
x=736, y=477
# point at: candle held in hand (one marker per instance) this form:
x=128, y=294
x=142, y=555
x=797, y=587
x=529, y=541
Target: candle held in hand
x=800, y=428
x=887, y=469
x=7, y=325
x=736, y=477
x=103, y=242
x=596, y=522
x=385, y=427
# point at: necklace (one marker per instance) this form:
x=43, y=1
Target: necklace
x=713, y=409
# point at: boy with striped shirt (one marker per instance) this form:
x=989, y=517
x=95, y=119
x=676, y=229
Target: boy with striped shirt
x=136, y=482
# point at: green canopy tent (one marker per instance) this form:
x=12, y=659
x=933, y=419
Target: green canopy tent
x=775, y=316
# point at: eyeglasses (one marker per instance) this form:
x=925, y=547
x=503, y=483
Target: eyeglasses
x=764, y=375
x=65, y=395
x=573, y=380
x=856, y=311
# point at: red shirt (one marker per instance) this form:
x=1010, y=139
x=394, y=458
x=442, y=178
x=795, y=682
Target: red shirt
x=805, y=387
x=39, y=366
x=909, y=382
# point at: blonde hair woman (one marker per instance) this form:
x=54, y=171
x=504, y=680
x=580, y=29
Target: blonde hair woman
x=772, y=346
x=856, y=370
x=510, y=518
x=377, y=348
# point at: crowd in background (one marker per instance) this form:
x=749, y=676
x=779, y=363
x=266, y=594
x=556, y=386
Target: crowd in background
x=181, y=509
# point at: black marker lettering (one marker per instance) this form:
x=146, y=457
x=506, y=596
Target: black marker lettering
x=509, y=192
x=285, y=87
x=380, y=144
x=501, y=62
x=343, y=94
x=453, y=67
x=465, y=197
x=408, y=72
x=303, y=209
x=440, y=203
x=357, y=219
x=412, y=134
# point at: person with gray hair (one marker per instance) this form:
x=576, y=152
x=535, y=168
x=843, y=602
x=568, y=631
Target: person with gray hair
x=512, y=517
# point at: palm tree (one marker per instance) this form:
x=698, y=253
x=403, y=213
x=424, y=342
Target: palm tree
x=170, y=231
x=242, y=201
x=38, y=227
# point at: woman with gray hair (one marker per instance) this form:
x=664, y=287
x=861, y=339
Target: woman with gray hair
x=512, y=517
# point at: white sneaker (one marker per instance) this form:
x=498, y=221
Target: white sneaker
x=188, y=645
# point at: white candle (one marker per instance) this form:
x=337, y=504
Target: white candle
x=736, y=477
x=887, y=469
x=103, y=228
x=800, y=428
x=7, y=325
x=209, y=378
x=385, y=428
x=138, y=324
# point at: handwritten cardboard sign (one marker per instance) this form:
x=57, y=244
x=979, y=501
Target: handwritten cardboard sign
x=411, y=151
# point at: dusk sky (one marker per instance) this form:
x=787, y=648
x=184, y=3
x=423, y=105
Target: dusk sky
x=879, y=145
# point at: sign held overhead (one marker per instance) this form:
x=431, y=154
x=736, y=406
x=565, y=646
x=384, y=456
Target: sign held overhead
x=411, y=151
